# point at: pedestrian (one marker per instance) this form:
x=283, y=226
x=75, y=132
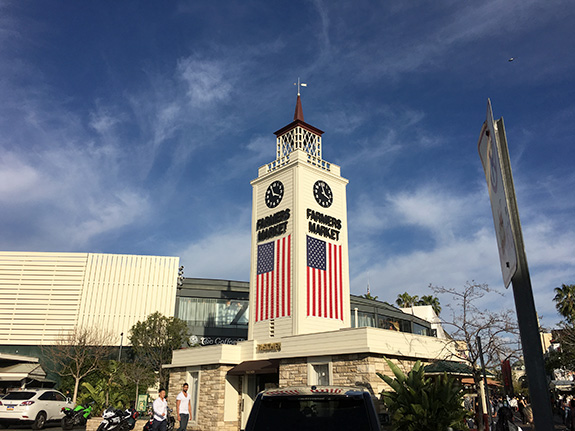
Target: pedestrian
x=505, y=420
x=184, y=407
x=522, y=405
x=160, y=409
x=570, y=422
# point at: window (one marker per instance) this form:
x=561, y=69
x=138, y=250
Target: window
x=47, y=396
x=213, y=313
x=19, y=396
x=194, y=392
x=319, y=371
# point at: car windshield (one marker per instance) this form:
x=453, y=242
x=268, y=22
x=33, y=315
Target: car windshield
x=312, y=413
x=19, y=396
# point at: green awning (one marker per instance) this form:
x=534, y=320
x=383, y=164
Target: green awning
x=452, y=368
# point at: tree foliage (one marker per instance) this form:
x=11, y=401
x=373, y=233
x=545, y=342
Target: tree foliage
x=420, y=403
x=405, y=300
x=565, y=302
x=78, y=353
x=563, y=359
x=154, y=339
x=115, y=384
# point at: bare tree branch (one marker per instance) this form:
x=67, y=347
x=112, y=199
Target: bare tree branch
x=79, y=352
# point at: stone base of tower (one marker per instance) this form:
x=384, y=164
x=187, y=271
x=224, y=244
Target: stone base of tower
x=229, y=377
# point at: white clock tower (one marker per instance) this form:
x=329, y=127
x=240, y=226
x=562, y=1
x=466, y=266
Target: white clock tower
x=299, y=280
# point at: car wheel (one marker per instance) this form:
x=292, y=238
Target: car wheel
x=40, y=421
x=3, y=425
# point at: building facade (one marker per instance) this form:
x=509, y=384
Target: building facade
x=300, y=320
x=43, y=295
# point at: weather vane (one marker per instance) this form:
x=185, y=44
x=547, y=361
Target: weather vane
x=299, y=84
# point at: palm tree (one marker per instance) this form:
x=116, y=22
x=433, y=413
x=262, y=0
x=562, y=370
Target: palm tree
x=565, y=301
x=431, y=300
x=405, y=300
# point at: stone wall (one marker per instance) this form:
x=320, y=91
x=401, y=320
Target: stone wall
x=347, y=370
x=211, y=398
x=293, y=372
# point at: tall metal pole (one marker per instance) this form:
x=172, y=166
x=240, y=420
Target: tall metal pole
x=525, y=306
x=487, y=403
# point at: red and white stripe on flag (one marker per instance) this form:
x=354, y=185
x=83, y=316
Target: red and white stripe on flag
x=324, y=279
x=273, y=280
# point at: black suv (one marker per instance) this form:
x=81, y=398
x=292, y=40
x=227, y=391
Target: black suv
x=316, y=408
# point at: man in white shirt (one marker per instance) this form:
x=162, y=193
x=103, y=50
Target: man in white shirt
x=183, y=407
x=160, y=408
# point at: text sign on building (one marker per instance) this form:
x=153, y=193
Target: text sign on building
x=490, y=154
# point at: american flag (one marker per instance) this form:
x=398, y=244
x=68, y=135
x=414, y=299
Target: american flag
x=324, y=279
x=273, y=282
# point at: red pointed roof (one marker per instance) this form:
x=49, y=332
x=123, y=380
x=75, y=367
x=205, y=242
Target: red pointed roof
x=298, y=121
x=298, y=110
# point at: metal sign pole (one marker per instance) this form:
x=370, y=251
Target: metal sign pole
x=525, y=305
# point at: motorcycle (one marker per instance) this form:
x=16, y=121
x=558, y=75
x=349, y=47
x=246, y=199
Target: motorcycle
x=118, y=420
x=170, y=421
x=75, y=416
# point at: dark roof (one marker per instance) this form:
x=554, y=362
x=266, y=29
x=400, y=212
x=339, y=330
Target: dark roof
x=452, y=368
x=298, y=121
x=265, y=366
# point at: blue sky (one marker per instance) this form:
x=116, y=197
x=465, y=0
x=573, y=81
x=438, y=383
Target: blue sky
x=136, y=127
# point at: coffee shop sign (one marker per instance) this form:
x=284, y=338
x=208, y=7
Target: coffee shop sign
x=207, y=341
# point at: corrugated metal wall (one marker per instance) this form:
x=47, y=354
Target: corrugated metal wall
x=45, y=294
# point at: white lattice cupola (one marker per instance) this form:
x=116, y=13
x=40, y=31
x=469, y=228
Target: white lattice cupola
x=298, y=135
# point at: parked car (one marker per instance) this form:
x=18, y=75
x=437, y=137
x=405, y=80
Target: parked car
x=36, y=406
x=317, y=408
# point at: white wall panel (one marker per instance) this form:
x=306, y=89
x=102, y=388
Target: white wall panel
x=40, y=295
x=121, y=290
x=43, y=295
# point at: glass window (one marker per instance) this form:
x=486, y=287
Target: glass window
x=19, y=396
x=320, y=374
x=210, y=312
x=47, y=396
x=287, y=413
x=419, y=329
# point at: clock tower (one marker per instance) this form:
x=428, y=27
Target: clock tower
x=299, y=280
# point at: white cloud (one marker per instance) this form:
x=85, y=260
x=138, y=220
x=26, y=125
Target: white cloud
x=18, y=179
x=206, y=80
x=222, y=255
x=465, y=249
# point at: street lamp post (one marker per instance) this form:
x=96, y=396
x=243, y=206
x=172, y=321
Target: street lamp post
x=120, y=351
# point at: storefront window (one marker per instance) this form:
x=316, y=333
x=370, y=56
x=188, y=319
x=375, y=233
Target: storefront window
x=210, y=312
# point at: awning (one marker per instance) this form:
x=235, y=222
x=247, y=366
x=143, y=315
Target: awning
x=452, y=368
x=266, y=366
x=22, y=371
x=470, y=381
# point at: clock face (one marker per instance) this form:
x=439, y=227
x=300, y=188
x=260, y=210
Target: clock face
x=322, y=193
x=274, y=194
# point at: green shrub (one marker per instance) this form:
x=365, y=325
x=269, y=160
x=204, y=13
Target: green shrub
x=420, y=403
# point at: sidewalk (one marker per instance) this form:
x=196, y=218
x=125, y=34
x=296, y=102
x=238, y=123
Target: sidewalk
x=557, y=422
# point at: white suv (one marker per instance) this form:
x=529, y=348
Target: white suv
x=32, y=405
